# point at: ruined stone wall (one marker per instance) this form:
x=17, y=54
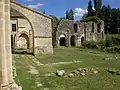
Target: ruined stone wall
x=89, y=31
x=41, y=25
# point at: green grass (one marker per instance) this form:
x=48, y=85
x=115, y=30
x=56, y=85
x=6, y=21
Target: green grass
x=89, y=59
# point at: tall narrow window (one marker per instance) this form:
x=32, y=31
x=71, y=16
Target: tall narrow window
x=14, y=27
x=85, y=31
x=99, y=27
x=92, y=27
x=75, y=28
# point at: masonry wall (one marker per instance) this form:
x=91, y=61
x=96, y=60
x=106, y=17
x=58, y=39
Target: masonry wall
x=41, y=25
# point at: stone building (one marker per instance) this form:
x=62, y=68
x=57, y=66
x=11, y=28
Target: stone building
x=30, y=29
x=71, y=33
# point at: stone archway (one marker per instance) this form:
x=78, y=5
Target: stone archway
x=72, y=41
x=22, y=40
x=62, y=40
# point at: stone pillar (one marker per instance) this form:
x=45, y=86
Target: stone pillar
x=3, y=60
x=68, y=39
x=6, y=77
x=8, y=41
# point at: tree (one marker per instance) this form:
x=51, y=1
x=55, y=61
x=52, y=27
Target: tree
x=97, y=5
x=67, y=15
x=90, y=8
x=44, y=12
x=71, y=13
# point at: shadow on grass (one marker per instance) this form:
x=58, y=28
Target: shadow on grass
x=22, y=51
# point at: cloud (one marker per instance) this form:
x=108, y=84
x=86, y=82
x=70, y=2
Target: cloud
x=36, y=6
x=79, y=12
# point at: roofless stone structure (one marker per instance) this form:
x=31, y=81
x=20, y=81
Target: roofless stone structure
x=6, y=76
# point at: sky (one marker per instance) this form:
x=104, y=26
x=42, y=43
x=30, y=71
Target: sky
x=59, y=7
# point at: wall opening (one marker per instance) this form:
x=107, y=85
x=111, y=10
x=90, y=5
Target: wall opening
x=12, y=41
x=92, y=27
x=23, y=42
x=99, y=27
x=85, y=31
x=14, y=27
x=62, y=41
x=72, y=40
x=102, y=35
x=82, y=40
x=75, y=28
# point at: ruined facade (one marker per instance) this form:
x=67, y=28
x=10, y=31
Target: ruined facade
x=71, y=33
x=30, y=29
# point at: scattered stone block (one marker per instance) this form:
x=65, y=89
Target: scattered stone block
x=71, y=75
x=79, y=69
x=95, y=72
x=60, y=73
x=82, y=74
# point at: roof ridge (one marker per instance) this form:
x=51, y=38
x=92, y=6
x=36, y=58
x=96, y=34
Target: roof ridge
x=30, y=9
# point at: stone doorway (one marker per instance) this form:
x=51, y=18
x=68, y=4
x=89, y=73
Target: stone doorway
x=72, y=40
x=62, y=41
x=23, y=41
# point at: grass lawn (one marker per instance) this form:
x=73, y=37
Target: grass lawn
x=33, y=71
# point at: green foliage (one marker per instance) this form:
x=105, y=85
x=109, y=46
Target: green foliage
x=113, y=49
x=67, y=15
x=97, y=5
x=44, y=12
x=90, y=44
x=70, y=14
x=111, y=44
x=90, y=8
x=90, y=18
x=112, y=40
x=111, y=16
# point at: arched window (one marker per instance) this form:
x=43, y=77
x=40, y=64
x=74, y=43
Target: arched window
x=75, y=28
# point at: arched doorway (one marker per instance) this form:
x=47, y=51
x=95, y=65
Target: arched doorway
x=72, y=40
x=23, y=41
x=62, y=40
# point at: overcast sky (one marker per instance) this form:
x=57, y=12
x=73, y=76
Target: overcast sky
x=59, y=7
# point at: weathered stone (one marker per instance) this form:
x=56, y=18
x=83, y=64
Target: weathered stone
x=75, y=72
x=60, y=73
x=33, y=29
x=82, y=74
x=71, y=75
x=79, y=69
x=95, y=72
x=70, y=33
x=85, y=69
x=118, y=73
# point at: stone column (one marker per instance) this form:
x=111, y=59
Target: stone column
x=68, y=39
x=3, y=60
x=8, y=41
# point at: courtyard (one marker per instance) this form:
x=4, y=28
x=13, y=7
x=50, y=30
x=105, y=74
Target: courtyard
x=38, y=72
